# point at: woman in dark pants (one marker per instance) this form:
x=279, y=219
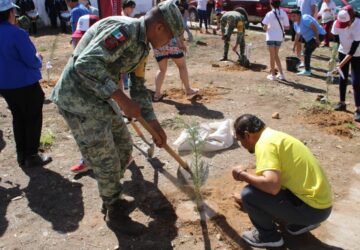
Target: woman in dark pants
x=209, y=7
x=347, y=32
x=19, y=85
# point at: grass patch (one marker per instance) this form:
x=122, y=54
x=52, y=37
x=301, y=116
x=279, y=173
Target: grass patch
x=41, y=48
x=351, y=126
x=47, y=139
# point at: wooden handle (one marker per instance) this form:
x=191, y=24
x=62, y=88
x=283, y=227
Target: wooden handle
x=166, y=146
x=136, y=128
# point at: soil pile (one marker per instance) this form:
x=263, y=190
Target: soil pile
x=336, y=123
x=205, y=95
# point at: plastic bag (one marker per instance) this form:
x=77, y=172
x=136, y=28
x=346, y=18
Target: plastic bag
x=216, y=136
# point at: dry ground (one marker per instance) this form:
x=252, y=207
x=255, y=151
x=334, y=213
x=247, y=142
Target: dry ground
x=49, y=208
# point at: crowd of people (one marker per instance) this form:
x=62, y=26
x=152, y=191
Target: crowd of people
x=289, y=183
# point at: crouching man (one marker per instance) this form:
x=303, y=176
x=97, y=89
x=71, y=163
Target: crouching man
x=289, y=185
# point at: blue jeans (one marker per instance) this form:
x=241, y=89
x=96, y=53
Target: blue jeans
x=202, y=18
x=263, y=208
x=273, y=43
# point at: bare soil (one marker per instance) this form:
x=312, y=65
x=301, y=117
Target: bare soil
x=50, y=208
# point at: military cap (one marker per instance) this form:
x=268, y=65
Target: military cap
x=172, y=16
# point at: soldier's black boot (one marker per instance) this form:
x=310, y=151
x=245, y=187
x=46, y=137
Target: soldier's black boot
x=224, y=58
x=118, y=219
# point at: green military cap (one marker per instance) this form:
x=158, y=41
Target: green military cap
x=172, y=16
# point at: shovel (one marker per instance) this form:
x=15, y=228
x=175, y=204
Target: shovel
x=150, y=150
x=168, y=149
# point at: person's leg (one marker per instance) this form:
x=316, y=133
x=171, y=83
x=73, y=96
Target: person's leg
x=272, y=59
x=310, y=46
x=277, y=60
x=53, y=20
x=186, y=27
x=200, y=15
x=15, y=101
x=184, y=76
x=328, y=33
x=263, y=208
x=355, y=77
x=123, y=142
x=341, y=106
x=33, y=118
x=160, y=76
x=96, y=143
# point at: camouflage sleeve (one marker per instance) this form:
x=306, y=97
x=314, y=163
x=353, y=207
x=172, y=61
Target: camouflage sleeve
x=92, y=63
x=139, y=92
x=222, y=25
x=231, y=26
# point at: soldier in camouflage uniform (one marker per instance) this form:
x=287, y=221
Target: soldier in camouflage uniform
x=88, y=85
x=228, y=22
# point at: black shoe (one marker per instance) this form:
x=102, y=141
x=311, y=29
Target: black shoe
x=340, y=107
x=37, y=160
x=357, y=115
x=299, y=229
x=223, y=59
x=117, y=220
x=21, y=159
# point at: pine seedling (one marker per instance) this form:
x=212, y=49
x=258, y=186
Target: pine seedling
x=198, y=167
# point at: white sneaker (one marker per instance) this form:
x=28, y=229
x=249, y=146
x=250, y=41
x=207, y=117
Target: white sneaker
x=280, y=77
x=271, y=77
x=301, y=65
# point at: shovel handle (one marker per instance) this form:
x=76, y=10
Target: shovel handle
x=166, y=146
x=137, y=130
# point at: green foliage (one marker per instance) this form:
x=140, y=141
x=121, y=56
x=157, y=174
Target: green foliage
x=47, y=139
x=198, y=167
x=41, y=48
x=351, y=126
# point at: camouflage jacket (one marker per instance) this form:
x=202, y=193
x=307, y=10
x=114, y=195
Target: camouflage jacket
x=111, y=46
x=232, y=19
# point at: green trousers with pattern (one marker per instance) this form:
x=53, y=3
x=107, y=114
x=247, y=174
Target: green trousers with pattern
x=106, y=147
x=240, y=40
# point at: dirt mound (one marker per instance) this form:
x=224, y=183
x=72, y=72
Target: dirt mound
x=236, y=67
x=205, y=95
x=48, y=83
x=336, y=123
x=229, y=221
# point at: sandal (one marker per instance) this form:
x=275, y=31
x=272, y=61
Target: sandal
x=192, y=93
x=158, y=98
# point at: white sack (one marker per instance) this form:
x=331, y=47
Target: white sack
x=216, y=136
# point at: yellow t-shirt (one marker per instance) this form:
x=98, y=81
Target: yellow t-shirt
x=300, y=171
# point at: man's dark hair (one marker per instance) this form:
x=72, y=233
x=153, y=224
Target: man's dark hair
x=296, y=11
x=249, y=123
x=72, y=1
x=275, y=4
x=129, y=3
x=4, y=15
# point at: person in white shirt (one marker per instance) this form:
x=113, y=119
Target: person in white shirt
x=307, y=7
x=346, y=30
x=201, y=8
x=275, y=23
x=327, y=14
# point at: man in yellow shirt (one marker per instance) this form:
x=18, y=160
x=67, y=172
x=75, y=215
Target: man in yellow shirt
x=289, y=185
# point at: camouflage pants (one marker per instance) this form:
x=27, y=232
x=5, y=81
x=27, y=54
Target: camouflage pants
x=240, y=40
x=106, y=146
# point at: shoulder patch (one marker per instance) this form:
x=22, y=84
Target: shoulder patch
x=116, y=38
